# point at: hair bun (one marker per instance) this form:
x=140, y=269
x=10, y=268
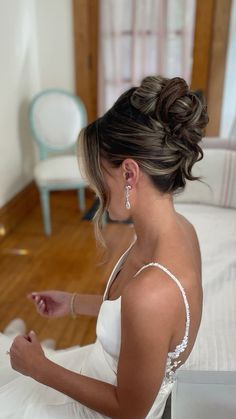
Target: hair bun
x=174, y=90
x=171, y=103
x=145, y=97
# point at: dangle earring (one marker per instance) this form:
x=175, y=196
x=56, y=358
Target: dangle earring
x=127, y=203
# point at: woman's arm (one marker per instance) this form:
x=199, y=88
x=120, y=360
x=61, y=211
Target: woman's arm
x=52, y=303
x=28, y=358
x=146, y=331
x=95, y=394
x=147, y=326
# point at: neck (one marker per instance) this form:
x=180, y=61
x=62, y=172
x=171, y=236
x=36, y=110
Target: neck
x=154, y=218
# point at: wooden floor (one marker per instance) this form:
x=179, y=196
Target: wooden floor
x=67, y=260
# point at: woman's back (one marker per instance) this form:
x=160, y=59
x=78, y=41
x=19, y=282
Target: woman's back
x=187, y=307
x=178, y=251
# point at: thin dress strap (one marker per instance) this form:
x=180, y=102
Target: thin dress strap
x=182, y=346
x=117, y=267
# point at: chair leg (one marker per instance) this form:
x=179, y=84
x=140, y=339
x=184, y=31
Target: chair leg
x=81, y=198
x=45, y=205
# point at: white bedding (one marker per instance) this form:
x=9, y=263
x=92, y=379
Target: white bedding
x=215, y=347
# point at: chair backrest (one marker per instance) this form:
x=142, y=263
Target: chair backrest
x=56, y=118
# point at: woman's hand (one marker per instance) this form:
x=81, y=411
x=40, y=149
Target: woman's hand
x=51, y=303
x=26, y=355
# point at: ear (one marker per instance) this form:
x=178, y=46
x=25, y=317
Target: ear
x=130, y=172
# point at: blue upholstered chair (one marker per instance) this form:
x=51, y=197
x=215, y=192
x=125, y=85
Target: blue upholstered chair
x=56, y=118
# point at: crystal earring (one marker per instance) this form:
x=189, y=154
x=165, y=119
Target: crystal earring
x=127, y=203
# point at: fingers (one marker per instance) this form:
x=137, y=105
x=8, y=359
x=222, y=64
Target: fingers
x=32, y=337
x=40, y=303
x=33, y=295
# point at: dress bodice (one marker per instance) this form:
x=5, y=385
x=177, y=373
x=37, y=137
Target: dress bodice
x=109, y=321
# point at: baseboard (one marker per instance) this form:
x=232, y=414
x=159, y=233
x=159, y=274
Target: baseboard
x=17, y=208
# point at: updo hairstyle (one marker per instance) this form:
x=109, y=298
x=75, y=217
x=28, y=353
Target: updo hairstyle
x=158, y=124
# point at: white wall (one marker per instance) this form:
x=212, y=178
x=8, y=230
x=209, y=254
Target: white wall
x=36, y=52
x=55, y=43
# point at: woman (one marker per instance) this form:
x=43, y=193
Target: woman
x=135, y=157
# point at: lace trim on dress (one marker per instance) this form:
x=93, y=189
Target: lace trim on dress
x=172, y=362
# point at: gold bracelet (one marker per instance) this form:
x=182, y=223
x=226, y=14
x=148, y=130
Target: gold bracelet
x=72, y=306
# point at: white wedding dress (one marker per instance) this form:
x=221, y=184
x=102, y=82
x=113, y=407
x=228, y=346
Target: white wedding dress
x=23, y=398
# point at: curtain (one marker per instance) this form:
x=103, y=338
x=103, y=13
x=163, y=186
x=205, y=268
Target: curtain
x=142, y=37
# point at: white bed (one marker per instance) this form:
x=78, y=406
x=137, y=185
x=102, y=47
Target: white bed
x=206, y=384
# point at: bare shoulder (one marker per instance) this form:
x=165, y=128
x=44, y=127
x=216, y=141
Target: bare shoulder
x=146, y=297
